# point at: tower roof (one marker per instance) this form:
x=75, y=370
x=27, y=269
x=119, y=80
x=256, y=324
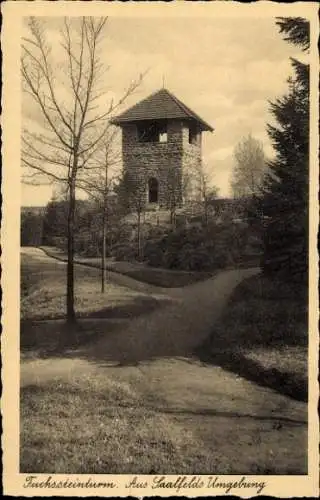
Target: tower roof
x=159, y=105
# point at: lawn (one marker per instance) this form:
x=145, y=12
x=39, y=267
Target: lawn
x=111, y=422
x=43, y=299
x=43, y=293
x=98, y=425
x=264, y=336
x=165, y=278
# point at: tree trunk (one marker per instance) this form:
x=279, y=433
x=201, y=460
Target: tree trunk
x=104, y=249
x=70, y=264
x=206, y=211
x=104, y=228
x=173, y=216
x=139, y=234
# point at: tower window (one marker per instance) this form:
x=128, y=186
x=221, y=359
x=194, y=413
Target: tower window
x=153, y=190
x=163, y=136
x=193, y=134
x=152, y=132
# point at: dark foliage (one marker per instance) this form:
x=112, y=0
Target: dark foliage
x=31, y=228
x=88, y=227
x=285, y=203
x=296, y=30
x=205, y=248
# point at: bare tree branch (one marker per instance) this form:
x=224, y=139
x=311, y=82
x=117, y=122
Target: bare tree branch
x=43, y=171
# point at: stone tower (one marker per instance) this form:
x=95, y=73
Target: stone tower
x=161, y=141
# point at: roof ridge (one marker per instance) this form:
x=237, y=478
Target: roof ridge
x=180, y=104
x=188, y=110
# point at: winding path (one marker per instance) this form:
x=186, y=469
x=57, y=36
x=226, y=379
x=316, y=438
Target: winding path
x=177, y=329
x=174, y=330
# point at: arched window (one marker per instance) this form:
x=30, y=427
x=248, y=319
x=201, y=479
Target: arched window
x=153, y=188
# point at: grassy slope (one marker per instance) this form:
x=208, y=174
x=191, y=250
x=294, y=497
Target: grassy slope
x=44, y=293
x=100, y=427
x=43, y=297
x=107, y=422
x=165, y=278
x=264, y=336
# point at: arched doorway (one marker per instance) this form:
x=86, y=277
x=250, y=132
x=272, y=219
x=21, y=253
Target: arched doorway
x=153, y=190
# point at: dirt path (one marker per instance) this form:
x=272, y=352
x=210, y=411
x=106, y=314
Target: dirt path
x=177, y=329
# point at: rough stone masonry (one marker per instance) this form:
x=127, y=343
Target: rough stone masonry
x=161, y=148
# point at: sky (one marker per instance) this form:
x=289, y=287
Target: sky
x=225, y=69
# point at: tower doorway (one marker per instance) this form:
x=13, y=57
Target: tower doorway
x=153, y=190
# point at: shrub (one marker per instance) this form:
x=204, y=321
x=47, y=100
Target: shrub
x=125, y=251
x=154, y=253
x=192, y=259
x=198, y=248
x=59, y=242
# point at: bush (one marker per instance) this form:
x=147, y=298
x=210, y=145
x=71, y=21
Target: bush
x=204, y=248
x=191, y=259
x=125, y=251
x=31, y=230
x=154, y=254
x=59, y=242
x=197, y=248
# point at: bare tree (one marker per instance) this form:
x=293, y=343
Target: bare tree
x=72, y=111
x=250, y=168
x=133, y=192
x=99, y=186
x=206, y=190
x=105, y=194
x=174, y=194
x=200, y=188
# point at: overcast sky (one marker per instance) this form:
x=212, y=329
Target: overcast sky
x=225, y=69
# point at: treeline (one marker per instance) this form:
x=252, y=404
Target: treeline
x=50, y=228
x=31, y=228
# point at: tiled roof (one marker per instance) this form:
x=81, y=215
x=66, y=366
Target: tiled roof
x=159, y=105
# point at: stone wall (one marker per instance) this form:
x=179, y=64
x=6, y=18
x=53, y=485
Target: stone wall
x=164, y=161
x=191, y=162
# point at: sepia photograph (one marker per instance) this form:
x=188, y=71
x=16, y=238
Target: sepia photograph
x=164, y=250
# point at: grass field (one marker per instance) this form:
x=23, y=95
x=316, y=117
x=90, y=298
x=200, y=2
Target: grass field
x=165, y=278
x=43, y=293
x=174, y=418
x=264, y=335
x=101, y=426
x=43, y=299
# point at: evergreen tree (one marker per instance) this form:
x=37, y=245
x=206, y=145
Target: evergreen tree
x=31, y=228
x=285, y=201
x=55, y=222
